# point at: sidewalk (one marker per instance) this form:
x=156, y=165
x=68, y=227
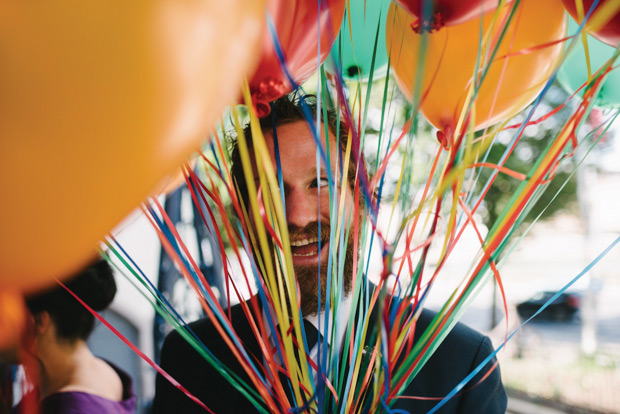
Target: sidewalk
x=555, y=375
x=518, y=406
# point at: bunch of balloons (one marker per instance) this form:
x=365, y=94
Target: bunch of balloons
x=471, y=64
x=100, y=102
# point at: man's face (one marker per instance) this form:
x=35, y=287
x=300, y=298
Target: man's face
x=307, y=201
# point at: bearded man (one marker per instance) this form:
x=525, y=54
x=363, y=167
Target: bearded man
x=310, y=220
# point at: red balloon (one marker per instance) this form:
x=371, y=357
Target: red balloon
x=445, y=12
x=608, y=33
x=297, y=24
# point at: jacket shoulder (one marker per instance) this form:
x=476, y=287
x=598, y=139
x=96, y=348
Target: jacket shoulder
x=460, y=353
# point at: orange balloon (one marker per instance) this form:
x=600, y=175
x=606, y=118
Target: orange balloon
x=173, y=181
x=99, y=100
x=512, y=81
x=12, y=320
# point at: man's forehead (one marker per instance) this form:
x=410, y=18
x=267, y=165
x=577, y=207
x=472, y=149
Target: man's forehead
x=298, y=139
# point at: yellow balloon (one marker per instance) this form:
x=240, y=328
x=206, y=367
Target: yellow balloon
x=521, y=67
x=99, y=100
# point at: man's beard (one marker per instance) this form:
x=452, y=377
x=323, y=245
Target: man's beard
x=307, y=275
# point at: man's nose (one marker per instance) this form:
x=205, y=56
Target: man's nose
x=301, y=208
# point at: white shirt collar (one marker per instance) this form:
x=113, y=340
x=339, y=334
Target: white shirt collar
x=343, y=310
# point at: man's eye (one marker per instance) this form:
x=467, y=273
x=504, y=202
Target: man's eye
x=321, y=182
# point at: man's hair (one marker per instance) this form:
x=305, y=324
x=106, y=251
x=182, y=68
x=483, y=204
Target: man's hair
x=287, y=110
x=95, y=285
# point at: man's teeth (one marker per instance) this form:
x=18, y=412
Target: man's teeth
x=304, y=242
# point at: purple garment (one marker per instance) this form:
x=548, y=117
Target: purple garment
x=73, y=402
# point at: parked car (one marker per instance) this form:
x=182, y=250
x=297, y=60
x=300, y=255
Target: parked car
x=563, y=308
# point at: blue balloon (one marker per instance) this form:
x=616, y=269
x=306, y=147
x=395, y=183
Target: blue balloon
x=356, y=50
x=574, y=72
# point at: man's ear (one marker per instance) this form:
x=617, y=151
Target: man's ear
x=42, y=322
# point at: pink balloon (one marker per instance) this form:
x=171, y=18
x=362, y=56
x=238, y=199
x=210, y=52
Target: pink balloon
x=299, y=24
x=609, y=33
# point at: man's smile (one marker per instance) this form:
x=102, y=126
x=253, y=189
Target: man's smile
x=305, y=250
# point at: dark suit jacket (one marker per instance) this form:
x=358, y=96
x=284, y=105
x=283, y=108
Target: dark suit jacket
x=460, y=352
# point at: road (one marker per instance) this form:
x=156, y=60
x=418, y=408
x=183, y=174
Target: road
x=608, y=332
x=518, y=406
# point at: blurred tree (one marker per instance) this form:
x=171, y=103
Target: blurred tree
x=529, y=148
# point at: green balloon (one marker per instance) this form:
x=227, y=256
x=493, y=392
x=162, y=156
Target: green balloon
x=574, y=72
x=356, y=55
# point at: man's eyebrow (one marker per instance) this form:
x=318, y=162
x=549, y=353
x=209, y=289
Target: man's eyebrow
x=313, y=171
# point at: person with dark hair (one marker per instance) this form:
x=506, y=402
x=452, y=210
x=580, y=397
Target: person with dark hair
x=71, y=379
x=307, y=203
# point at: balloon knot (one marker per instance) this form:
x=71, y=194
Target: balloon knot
x=262, y=108
x=429, y=25
x=444, y=137
x=266, y=91
x=353, y=71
